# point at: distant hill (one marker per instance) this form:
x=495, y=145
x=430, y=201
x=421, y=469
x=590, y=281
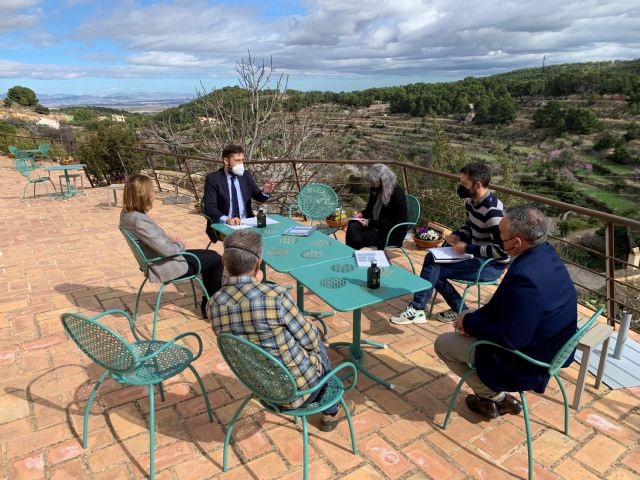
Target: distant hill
x=131, y=102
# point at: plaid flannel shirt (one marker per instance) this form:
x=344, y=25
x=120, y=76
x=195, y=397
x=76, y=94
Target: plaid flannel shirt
x=267, y=316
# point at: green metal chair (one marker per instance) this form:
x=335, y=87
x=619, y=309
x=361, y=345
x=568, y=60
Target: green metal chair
x=553, y=368
x=27, y=169
x=468, y=284
x=43, y=151
x=142, y=362
x=211, y=233
x=272, y=384
x=317, y=201
x=413, y=215
x=144, y=263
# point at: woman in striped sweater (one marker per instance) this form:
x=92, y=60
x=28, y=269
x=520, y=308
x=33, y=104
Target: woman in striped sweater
x=479, y=236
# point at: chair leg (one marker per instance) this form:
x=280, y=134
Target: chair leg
x=204, y=392
x=87, y=409
x=151, y=433
x=193, y=289
x=453, y=398
x=354, y=446
x=135, y=314
x=566, y=404
x=24, y=191
x=525, y=411
x=464, y=296
x=413, y=269
x=155, y=311
x=204, y=290
x=161, y=391
x=305, y=449
x=230, y=428
x=479, y=293
x=433, y=302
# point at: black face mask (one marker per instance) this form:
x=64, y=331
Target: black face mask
x=464, y=192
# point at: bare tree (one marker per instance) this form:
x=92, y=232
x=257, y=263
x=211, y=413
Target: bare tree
x=255, y=115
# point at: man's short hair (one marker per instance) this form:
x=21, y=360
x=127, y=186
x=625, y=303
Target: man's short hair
x=241, y=251
x=231, y=149
x=528, y=222
x=478, y=172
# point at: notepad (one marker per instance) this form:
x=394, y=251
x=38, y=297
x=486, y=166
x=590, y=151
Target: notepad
x=253, y=221
x=363, y=259
x=448, y=255
x=299, y=231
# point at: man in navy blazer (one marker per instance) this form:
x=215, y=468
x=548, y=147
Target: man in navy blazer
x=229, y=190
x=534, y=310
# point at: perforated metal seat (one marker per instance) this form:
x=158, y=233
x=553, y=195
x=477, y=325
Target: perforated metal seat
x=142, y=362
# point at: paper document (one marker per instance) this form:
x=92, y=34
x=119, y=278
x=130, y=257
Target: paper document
x=363, y=259
x=299, y=231
x=448, y=255
x=348, y=219
x=238, y=227
x=253, y=221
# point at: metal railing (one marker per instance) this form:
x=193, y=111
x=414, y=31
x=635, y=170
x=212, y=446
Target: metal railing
x=406, y=171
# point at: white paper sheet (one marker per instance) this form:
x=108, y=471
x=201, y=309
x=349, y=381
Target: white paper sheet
x=364, y=258
x=448, y=255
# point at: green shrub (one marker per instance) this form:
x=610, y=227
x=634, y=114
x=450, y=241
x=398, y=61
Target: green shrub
x=622, y=155
x=23, y=96
x=606, y=141
x=8, y=102
x=100, y=153
x=41, y=109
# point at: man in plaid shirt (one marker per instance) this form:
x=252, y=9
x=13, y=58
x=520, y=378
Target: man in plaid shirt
x=267, y=316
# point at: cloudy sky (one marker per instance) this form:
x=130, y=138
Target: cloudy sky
x=112, y=46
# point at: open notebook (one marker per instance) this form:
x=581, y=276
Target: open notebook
x=448, y=255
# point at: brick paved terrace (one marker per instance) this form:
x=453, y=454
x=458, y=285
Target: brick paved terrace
x=68, y=256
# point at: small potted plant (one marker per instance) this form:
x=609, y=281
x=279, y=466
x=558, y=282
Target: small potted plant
x=427, y=237
x=337, y=219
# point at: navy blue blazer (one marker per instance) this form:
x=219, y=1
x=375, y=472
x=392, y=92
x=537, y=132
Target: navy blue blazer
x=534, y=310
x=216, y=196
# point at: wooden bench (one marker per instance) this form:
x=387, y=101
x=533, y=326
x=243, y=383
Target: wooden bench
x=600, y=332
x=112, y=188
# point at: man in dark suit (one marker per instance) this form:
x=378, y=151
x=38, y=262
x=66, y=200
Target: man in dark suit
x=229, y=190
x=534, y=310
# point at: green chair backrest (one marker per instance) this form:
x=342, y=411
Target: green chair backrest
x=413, y=209
x=44, y=148
x=13, y=150
x=571, y=344
x=258, y=370
x=25, y=167
x=100, y=343
x=317, y=201
x=141, y=258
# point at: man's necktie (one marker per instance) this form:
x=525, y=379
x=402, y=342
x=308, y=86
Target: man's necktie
x=235, y=206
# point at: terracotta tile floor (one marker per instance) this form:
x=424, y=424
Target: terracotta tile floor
x=68, y=256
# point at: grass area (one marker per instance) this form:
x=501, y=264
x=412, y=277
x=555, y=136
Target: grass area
x=614, y=200
x=614, y=168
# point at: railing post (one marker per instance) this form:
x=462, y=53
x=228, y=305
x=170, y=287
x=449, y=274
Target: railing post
x=610, y=272
x=155, y=175
x=405, y=180
x=193, y=185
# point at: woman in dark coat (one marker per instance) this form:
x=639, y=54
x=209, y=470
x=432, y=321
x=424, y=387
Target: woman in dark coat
x=387, y=206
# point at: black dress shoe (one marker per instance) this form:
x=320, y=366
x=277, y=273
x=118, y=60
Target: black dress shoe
x=482, y=406
x=203, y=307
x=510, y=404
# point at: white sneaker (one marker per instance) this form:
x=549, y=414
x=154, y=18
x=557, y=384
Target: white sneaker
x=410, y=316
x=448, y=316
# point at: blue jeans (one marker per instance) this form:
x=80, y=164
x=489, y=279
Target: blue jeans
x=438, y=274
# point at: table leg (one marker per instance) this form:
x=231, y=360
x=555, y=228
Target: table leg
x=356, y=353
x=582, y=376
x=66, y=177
x=300, y=303
x=603, y=361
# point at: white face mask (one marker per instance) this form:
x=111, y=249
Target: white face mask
x=238, y=169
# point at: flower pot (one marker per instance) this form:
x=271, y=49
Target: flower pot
x=426, y=243
x=336, y=223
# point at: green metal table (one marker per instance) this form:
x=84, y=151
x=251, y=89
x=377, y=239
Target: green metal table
x=273, y=230
x=71, y=166
x=343, y=286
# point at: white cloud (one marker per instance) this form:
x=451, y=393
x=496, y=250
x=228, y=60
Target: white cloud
x=192, y=38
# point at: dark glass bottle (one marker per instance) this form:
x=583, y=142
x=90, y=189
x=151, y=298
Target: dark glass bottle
x=261, y=218
x=373, y=275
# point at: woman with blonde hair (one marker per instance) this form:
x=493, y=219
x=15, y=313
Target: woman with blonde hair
x=137, y=201
x=387, y=206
